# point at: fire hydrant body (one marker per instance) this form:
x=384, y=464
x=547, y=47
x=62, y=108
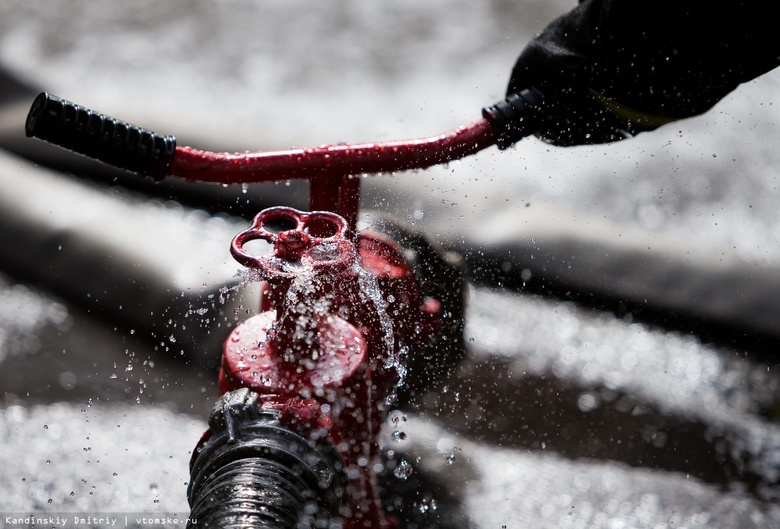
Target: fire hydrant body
x=325, y=352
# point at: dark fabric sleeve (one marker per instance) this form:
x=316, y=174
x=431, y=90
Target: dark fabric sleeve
x=663, y=57
x=681, y=57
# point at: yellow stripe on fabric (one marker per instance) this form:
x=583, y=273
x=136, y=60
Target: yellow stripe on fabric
x=632, y=115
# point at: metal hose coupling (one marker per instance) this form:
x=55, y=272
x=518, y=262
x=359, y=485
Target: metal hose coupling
x=253, y=471
x=515, y=117
x=101, y=137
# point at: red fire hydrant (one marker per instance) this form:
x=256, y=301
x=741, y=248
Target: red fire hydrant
x=324, y=352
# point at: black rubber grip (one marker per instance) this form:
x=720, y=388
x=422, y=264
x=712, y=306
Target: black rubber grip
x=515, y=117
x=101, y=137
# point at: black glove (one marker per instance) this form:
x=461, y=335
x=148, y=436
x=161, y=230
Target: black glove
x=610, y=69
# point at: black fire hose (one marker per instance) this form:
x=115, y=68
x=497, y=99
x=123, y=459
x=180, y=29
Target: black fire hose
x=253, y=472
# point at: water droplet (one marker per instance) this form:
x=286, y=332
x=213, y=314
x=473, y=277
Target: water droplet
x=403, y=470
x=395, y=417
x=398, y=436
x=427, y=504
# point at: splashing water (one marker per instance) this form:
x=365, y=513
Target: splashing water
x=427, y=504
x=370, y=291
x=304, y=296
x=403, y=470
x=304, y=289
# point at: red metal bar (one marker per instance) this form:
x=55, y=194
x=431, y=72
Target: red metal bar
x=328, y=161
x=349, y=202
x=324, y=194
x=337, y=194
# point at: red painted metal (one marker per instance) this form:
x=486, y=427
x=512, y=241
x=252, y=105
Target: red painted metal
x=323, y=351
x=329, y=161
x=332, y=169
x=339, y=308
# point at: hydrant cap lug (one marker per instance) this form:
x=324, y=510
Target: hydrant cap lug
x=232, y=409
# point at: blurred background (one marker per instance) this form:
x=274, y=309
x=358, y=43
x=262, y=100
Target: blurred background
x=623, y=314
